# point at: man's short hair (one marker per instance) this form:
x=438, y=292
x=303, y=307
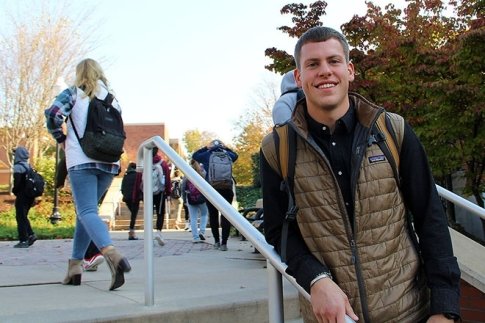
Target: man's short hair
x=319, y=34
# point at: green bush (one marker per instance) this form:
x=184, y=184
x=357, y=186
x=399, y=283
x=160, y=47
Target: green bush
x=247, y=196
x=39, y=219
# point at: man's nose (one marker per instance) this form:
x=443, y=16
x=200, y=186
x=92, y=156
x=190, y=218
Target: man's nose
x=325, y=70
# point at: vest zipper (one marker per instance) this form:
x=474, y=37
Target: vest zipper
x=349, y=227
x=360, y=280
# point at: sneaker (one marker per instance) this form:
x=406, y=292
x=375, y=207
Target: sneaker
x=22, y=244
x=217, y=245
x=196, y=240
x=91, y=264
x=201, y=236
x=224, y=247
x=32, y=239
x=158, y=237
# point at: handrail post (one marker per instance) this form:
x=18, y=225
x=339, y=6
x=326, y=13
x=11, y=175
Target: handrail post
x=275, y=294
x=148, y=225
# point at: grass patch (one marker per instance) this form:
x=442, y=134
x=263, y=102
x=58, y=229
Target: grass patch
x=39, y=220
x=39, y=216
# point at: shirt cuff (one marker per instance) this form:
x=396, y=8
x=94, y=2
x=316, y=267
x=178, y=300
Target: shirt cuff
x=444, y=301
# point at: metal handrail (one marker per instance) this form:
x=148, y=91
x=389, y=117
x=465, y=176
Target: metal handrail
x=456, y=199
x=276, y=269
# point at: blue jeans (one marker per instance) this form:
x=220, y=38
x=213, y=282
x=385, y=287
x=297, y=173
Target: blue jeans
x=88, y=186
x=194, y=214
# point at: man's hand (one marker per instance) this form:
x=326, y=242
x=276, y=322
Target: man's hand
x=329, y=302
x=438, y=318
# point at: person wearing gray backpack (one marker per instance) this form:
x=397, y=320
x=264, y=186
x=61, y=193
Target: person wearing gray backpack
x=217, y=159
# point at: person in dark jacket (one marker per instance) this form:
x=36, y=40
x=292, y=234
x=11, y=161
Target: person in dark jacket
x=203, y=156
x=131, y=197
x=23, y=203
x=351, y=245
x=159, y=199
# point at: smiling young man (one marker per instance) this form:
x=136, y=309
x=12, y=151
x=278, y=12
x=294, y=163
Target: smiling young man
x=350, y=245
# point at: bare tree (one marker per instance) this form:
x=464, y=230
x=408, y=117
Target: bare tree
x=253, y=125
x=37, y=49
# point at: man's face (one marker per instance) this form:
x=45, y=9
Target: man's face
x=324, y=76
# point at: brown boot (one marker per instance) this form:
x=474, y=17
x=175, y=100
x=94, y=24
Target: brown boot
x=74, y=271
x=118, y=265
x=132, y=235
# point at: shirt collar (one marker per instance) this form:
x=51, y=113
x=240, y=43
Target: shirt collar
x=343, y=125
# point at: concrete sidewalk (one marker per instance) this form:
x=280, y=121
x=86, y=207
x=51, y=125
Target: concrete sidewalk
x=193, y=283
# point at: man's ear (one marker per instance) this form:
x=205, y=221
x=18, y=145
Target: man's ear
x=296, y=74
x=351, y=70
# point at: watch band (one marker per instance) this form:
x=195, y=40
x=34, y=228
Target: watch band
x=320, y=277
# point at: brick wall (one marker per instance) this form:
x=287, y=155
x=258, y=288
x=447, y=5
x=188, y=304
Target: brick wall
x=472, y=303
x=137, y=133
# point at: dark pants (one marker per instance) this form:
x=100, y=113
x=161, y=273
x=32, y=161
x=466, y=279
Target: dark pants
x=22, y=207
x=133, y=207
x=186, y=211
x=228, y=195
x=92, y=250
x=159, y=204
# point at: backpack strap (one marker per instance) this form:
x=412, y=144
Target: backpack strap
x=108, y=100
x=282, y=159
x=391, y=127
x=388, y=134
x=299, y=93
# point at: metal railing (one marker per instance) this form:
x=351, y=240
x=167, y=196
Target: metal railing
x=456, y=199
x=276, y=269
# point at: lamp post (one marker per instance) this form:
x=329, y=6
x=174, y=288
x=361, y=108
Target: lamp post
x=56, y=216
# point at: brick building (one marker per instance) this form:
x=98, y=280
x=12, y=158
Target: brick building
x=137, y=133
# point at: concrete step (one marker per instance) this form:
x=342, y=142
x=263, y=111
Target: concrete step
x=192, y=283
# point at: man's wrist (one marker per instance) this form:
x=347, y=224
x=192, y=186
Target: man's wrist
x=320, y=276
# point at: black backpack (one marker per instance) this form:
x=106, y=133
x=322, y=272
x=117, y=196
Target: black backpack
x=176, y=190
x=104, y=135
x=34, y=183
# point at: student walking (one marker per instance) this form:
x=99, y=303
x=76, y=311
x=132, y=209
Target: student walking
x=89, y=178
x=217, y=159
x=23, y=202
x=196, y=203
x=131, y=196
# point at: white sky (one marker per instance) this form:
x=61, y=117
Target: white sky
x=193, y=64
